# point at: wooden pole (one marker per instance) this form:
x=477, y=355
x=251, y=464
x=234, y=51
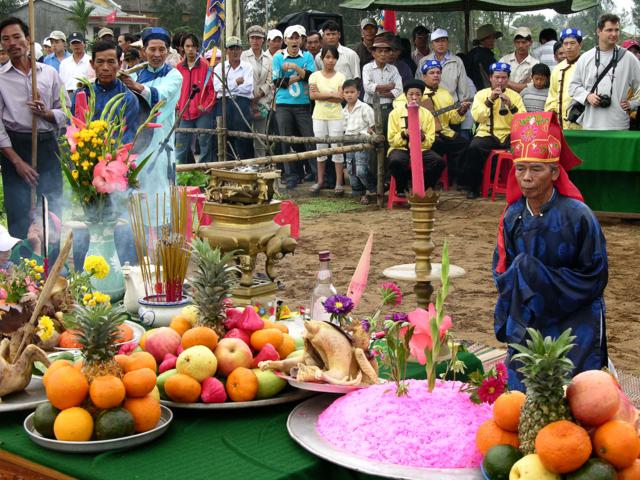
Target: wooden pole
x=220, y=137
x=467, y=23
x=380, y=154
x=34, y=94
x=289, y=157
x=223, y=71
x=288, y=138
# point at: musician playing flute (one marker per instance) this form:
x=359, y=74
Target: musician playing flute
x=493, y=109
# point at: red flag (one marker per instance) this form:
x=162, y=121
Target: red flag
x=389, y=21
x=111, y=18
x=361, y=275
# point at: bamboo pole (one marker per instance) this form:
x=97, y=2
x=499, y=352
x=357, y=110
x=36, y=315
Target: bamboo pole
x=288, y=138
x=221, y=139
x=34, y=93
x=380, y=153
x=289, y=157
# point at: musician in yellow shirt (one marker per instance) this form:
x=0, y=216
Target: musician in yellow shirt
x=493, y=109
x=571, y=39
x=398, y=138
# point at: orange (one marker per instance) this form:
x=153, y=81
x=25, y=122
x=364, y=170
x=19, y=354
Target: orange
x=139, y=383
x=506, y=410
x=242, y=385
x=630, y=473
x=140, y=360
x=145, y=411
x=122, y=360
x=489, y=435
x=68, y=340
x=79, y=364
x=200, y=336
x=73, y=425
x=287, y=346
x=55, y=365
x=616, y=442
x=563, y=446
x=107, y=391
x=182, y=388
x=125, y=333
x=280, y=326
x=67, y=387
x=260, y=338
x=180, y=324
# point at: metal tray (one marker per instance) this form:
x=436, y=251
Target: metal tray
x=28, y=399
x=301, y=425
x=319, y=386
x=138, y=331
x=97, y=446
x=286, y=397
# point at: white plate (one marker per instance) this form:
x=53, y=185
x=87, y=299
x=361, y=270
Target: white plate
x=97, y=446
x=285, y=397
x=29, y=398
x=138, y=331
x=301, y=425
x=319, y=386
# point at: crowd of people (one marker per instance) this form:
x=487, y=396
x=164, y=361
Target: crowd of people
x=309, y=84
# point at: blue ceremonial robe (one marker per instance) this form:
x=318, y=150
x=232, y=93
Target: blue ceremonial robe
x=555, y=278
x=158, y=174
x=104, y=93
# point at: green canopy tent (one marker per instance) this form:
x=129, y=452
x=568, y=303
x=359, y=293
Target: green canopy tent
x=560, y=6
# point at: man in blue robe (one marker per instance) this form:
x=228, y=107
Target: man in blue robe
x=550, y=265
x=106, y=63
x=158, y=82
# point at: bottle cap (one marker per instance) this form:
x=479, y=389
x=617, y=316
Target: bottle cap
x=324, y=255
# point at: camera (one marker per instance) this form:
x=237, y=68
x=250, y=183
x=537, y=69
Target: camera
x=605, y=101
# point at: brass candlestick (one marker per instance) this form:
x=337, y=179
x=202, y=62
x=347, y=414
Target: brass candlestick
x=423, y=215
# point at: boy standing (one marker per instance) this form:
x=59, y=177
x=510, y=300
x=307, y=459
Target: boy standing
x=535, y=94
x=358, y=120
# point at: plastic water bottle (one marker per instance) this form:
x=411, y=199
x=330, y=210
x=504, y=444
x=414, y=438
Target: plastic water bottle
x=324, y=287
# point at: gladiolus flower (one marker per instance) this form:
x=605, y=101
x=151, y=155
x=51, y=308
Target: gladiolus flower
x=154, y=125
x=421, y=340
x=109, y=177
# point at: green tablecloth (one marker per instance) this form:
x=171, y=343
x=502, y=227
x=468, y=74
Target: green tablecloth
x=609, y=177
x=250, y=444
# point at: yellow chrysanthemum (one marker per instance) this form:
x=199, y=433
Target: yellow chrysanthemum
x=85, y=165
x=39, y=269
x=33, y=263
x=75, y=157
x=45, y=328
x=92, y=154
x=75, y=174
x=96, y=266
x=80, y=144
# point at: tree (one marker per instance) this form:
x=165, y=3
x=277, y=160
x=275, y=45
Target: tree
x=635, y=13
x=80, y=13
x=7, y=7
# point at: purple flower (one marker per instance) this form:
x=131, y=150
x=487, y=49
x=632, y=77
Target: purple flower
x=399, y=317
x=338, y=305
x=366, y=326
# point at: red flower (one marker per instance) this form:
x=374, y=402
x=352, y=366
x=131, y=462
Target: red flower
x=109, y=177
x=490, y=389
x=502, y=373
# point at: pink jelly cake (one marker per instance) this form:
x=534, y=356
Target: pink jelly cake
x=421, y=429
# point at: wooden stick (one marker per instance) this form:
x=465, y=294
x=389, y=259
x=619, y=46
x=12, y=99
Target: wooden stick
x=289, y=157
x=380, y=153
x=34, y=93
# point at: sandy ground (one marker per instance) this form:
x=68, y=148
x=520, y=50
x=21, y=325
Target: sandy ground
x=470, y=230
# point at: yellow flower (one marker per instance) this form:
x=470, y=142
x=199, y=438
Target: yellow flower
x=97, y=266
x=45, y=328
x=87, y=297
x=39, y=269
x=76, y=135
x=81, y=144
x=33, y=263
x=75, y=157
x=75, y=174
x=85, y=165
x=92, y=154
x=37, y=276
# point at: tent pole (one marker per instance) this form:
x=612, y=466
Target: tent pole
x=34, y=93
x=467, y=21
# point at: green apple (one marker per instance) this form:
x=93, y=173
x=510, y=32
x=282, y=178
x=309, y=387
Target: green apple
x=155, y=393
x=530, y=468
x=163, y=378
x=296, y=353
x=198, y=362
x=269, y=384
x=299, y=342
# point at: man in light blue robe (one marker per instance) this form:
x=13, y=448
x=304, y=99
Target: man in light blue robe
x=158, y=82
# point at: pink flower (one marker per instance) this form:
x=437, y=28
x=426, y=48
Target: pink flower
x=122, y=155
x=502, y=373
x=391, y=294
x=109, y=177
x=490, y=389
x=154, y=125
x=3, y=294
x=421, y=340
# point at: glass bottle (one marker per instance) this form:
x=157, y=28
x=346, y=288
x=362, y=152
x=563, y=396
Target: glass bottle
x=323, y=289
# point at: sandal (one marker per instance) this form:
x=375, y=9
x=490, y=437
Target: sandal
x=315, y=188
x=364, y=200
x=338, y=191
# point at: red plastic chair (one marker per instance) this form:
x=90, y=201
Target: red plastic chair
x=487, y=181
x=503, y=167
x=393, y=197
x=289, y=215
x=444, y=178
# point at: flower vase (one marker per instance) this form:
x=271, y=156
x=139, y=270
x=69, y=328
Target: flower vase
x=102, y=243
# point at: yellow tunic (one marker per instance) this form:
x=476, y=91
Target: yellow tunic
x=501, y=123
x=398, y=121
x=560, y=80
x=441, y=99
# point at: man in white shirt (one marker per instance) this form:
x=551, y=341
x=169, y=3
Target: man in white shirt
x=261, y=63
x=520, y=60
x=547, y=38
x=348, y=62
x=238, y=89
x=420, y=36
x=77, y=66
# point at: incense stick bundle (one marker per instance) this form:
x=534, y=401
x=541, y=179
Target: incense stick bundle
x=164, y=252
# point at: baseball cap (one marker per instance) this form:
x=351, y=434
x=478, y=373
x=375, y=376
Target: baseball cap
x=630, y=43
x=57, y=35
x=271, y=34
x=7, y=242
x=76, y=37
x=256, y=31
x=524, y=32
x=46, y=43
x=439, y=33
x=291, y=29
x=233, y=42
x=105, y=31
x=365, y=22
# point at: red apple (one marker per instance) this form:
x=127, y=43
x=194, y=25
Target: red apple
x=164, y=340
x=268, y=352
x=231, y=354
x=241, y=334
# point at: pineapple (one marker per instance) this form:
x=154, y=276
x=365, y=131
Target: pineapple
x=214, y=277
x=97, y=332
x=546, y=371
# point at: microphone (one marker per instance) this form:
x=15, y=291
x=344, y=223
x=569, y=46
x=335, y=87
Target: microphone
x=194, y=90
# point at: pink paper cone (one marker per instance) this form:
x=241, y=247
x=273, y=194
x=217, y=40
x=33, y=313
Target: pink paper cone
x=361, y=275
x=415, y=149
